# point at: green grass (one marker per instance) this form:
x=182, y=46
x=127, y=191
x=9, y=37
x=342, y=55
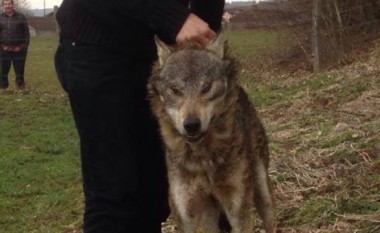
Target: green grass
x=251, y=46
x=39, y=162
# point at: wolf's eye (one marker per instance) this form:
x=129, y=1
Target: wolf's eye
x=206, y=88
x=176, y=91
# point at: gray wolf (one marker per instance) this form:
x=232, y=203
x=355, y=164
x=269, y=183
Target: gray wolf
x=216, y=148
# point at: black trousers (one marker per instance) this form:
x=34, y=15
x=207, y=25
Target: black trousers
x=18, y=60
x=124, y=173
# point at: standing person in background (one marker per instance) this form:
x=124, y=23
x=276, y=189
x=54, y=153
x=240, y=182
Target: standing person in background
x=103, y=61
x=14, y=42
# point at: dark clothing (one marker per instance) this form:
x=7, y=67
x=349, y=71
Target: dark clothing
x=130, y=25
x=123, y=168
x=14, y=32
x=18, y=61
x=104, y=60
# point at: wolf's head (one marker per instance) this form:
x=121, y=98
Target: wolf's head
x=192, y=85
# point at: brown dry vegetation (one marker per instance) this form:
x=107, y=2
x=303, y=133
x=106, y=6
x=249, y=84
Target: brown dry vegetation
x=325, y=146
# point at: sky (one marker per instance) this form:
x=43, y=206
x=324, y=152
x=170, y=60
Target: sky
x=39, y=4
x=243, y=0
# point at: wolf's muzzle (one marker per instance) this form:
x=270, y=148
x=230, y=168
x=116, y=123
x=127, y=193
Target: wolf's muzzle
x=192, y=125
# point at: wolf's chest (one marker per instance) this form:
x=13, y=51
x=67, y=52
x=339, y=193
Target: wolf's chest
x=204, y=160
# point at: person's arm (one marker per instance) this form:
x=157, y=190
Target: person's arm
x=165, y=17
x=171, y=20
x=23, y=33
x=195, y=30
x=202, y=30
x=26, y=33
x=1, y=34
x=210, y=11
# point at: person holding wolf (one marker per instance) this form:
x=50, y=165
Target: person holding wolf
x=14, y=42
x=103, y=61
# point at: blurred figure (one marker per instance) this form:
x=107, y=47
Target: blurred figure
x=14, y=42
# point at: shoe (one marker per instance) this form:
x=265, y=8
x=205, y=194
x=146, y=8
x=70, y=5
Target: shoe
x=21, y=87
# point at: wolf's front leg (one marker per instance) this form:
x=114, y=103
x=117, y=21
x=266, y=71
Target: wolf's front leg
x=241, y=221
x=180, y=204
x=263, y=198
x=238, y=210
x=194, y=213
x=191, y=207
x=210, y=217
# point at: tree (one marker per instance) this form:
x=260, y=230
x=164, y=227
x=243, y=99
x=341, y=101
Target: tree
x=21, y=3
x=23, y=6
x=314, y=37
x=336, y=27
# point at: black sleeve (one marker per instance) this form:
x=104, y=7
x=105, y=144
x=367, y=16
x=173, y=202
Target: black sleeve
x=210, y=11
x=165, y=17
x=26, y=32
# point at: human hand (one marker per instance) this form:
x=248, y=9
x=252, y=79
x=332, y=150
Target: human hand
x=195, y=30
x=16, y=49
x=5, y=48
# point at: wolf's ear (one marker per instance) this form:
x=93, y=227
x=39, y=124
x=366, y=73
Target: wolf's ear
x=163, y=50
x=217, y=46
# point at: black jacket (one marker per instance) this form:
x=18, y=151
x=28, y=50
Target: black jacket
x=14, y=30
x=131, y=24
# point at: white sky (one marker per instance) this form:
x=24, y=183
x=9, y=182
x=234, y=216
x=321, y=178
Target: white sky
x=39, y=4
x=243, y=0
x=51, y=3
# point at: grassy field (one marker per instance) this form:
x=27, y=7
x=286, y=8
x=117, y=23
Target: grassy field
x=324, y=140
x=40, y=186
x=324, y=134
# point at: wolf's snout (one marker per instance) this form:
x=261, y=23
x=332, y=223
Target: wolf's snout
x=192, y=125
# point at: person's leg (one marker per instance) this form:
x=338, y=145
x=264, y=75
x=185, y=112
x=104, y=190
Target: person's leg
x=5, y=67
x=19, y=68
x=153, y=181
x=124, y=181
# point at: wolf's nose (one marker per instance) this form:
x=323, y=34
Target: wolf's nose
x=192, y=125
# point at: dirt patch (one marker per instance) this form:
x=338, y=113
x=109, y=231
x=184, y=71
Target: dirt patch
x=367, y=105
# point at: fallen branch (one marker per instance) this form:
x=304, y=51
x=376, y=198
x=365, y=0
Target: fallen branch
x=358, y=217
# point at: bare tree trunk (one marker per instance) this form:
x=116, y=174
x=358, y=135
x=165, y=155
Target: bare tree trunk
x=340, y=31
x=314, y=36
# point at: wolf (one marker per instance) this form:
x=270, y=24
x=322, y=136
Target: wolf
x=216, y=148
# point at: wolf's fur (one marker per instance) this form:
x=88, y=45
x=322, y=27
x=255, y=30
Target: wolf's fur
x=216, y=147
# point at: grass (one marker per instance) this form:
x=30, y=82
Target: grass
x=323, y=132
x=324, y=138
x=39, y=175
